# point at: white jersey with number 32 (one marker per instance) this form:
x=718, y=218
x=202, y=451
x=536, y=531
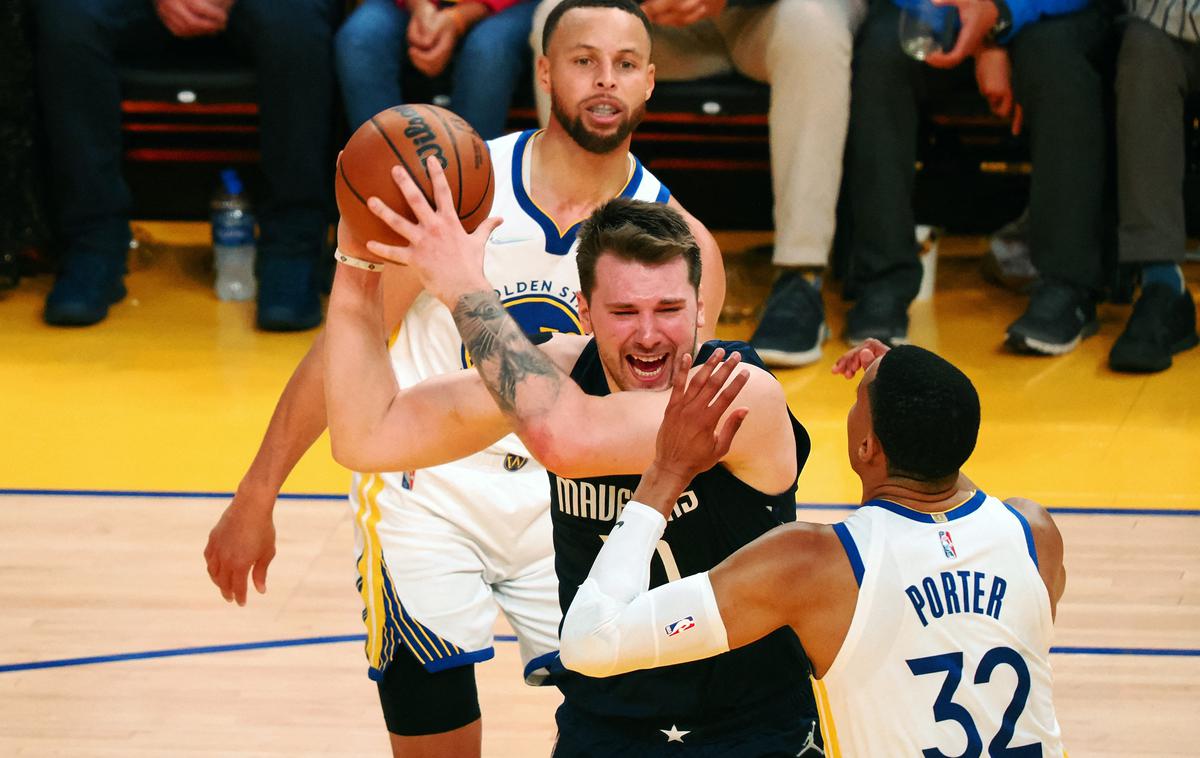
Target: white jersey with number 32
x=948, y=651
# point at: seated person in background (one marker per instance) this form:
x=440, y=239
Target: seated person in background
x=1045, y=74
x=802, y=49
x=1158, y=64
x=78, y=46
x=919, y=640
x=381, y=37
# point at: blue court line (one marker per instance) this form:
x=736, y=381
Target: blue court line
x=205, y=650
x=327, y=496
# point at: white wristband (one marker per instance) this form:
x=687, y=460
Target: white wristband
x=350, y=260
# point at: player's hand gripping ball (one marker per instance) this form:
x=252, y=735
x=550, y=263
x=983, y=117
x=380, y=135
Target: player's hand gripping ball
x=407, y=135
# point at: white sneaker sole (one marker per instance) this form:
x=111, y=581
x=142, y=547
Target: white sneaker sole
x=786, y=359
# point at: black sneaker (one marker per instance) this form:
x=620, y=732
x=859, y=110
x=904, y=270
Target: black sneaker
x=288, y=299
x=880, y=315
x=88, y=284
x=792, y=328
x=1057, y=318
x=1163, y=323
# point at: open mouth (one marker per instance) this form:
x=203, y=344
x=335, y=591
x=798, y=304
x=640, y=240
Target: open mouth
x=604, y=112
x=647, y=367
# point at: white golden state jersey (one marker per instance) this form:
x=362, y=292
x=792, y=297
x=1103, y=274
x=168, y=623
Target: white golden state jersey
x=948, y=651
x=489, y=512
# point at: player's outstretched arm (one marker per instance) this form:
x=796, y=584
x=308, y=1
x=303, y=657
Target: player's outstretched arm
x=614, y=625
x=242, y=543
x=375, y=426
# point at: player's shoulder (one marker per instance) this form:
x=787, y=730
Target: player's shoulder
x=501, y=148
x=1041, y=523
x=761, y=378
x=802, y=549
x=564, y=349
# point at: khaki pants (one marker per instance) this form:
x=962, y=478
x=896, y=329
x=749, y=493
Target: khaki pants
x=802, y=48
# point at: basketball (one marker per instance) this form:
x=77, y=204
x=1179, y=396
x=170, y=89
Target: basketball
x=406, y=135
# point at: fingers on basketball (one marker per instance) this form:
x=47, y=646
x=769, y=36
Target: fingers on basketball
x=408, y=136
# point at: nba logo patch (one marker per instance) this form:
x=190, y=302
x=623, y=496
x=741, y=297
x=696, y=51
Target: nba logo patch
x=406, y=479
x=947, y=544
x=514, y=462
x=682, y=625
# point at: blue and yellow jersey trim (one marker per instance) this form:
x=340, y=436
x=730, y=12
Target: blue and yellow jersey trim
x=965, y=508
x=389, y=625
x=825, y=715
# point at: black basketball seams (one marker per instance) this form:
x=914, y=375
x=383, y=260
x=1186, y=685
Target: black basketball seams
x=346, y=181
x=457, y=157
x=383, y=133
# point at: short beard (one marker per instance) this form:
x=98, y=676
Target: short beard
x=590, y=141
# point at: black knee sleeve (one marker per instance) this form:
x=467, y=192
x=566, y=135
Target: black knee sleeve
x=416, y=702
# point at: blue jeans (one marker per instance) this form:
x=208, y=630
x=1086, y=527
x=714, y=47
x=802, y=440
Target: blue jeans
x=371, y=51
x=79, y=45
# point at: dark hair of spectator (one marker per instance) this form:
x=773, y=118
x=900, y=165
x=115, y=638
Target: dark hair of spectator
x=925, y=413
x=633, y=230
x=629, y=6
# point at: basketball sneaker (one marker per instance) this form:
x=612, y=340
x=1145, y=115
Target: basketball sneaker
x=288, y=298
x=1163, y=323
x=877, y=314
x=1058, y=317
x=792, y=328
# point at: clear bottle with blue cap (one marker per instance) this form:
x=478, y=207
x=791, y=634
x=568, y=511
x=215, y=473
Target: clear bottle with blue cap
x=233, y=239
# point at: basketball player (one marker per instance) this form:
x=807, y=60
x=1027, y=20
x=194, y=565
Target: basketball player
x=437, y=546
x=926, y=614
x=589, y=409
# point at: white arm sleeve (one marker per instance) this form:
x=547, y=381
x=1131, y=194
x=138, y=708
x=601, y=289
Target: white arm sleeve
x=614, y=625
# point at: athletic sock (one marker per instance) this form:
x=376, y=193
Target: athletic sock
x=1163, y=272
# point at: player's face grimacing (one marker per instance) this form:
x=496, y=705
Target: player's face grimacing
x=599, y=63
x=644, y=318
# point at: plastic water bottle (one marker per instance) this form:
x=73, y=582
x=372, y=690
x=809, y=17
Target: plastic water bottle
x=233, y=239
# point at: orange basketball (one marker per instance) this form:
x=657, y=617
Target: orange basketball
x=406, y=135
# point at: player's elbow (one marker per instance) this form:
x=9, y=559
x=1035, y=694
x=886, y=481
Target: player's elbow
x=354, y=456
x=584, y=646
x=553, y=450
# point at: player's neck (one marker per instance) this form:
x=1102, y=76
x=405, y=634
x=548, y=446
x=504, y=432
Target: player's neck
x=921, y=496
x=564, y=173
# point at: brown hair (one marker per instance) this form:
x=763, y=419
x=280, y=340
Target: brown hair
x=635, y=230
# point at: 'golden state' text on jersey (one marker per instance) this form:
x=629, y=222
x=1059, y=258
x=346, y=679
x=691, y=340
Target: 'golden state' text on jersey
x=948, y=651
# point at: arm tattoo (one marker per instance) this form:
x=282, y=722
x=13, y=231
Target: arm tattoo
x=508, y=362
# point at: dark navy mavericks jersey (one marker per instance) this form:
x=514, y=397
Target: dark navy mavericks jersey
x=716, y=515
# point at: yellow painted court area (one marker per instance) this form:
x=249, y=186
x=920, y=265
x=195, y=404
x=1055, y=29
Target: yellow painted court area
x=172, y=392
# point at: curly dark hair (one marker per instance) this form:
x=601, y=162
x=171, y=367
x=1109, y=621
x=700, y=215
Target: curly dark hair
x=925, y=413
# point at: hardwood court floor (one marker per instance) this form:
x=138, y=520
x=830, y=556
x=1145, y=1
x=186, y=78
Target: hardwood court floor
x=170, y=394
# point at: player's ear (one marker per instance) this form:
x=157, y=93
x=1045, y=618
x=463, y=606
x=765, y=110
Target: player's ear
x=649, y=80
x=585, y=313
x=542, y=68
x=700, y=318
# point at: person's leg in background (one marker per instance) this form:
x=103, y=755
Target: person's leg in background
x=1058, y=79
x=77, y=45
x=802, y=48
x=1154, y=70
x=881, y=151
x=291, y=46
x=489, y=63
x=370, y=51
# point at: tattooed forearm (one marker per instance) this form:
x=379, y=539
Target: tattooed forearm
x=505, y=358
